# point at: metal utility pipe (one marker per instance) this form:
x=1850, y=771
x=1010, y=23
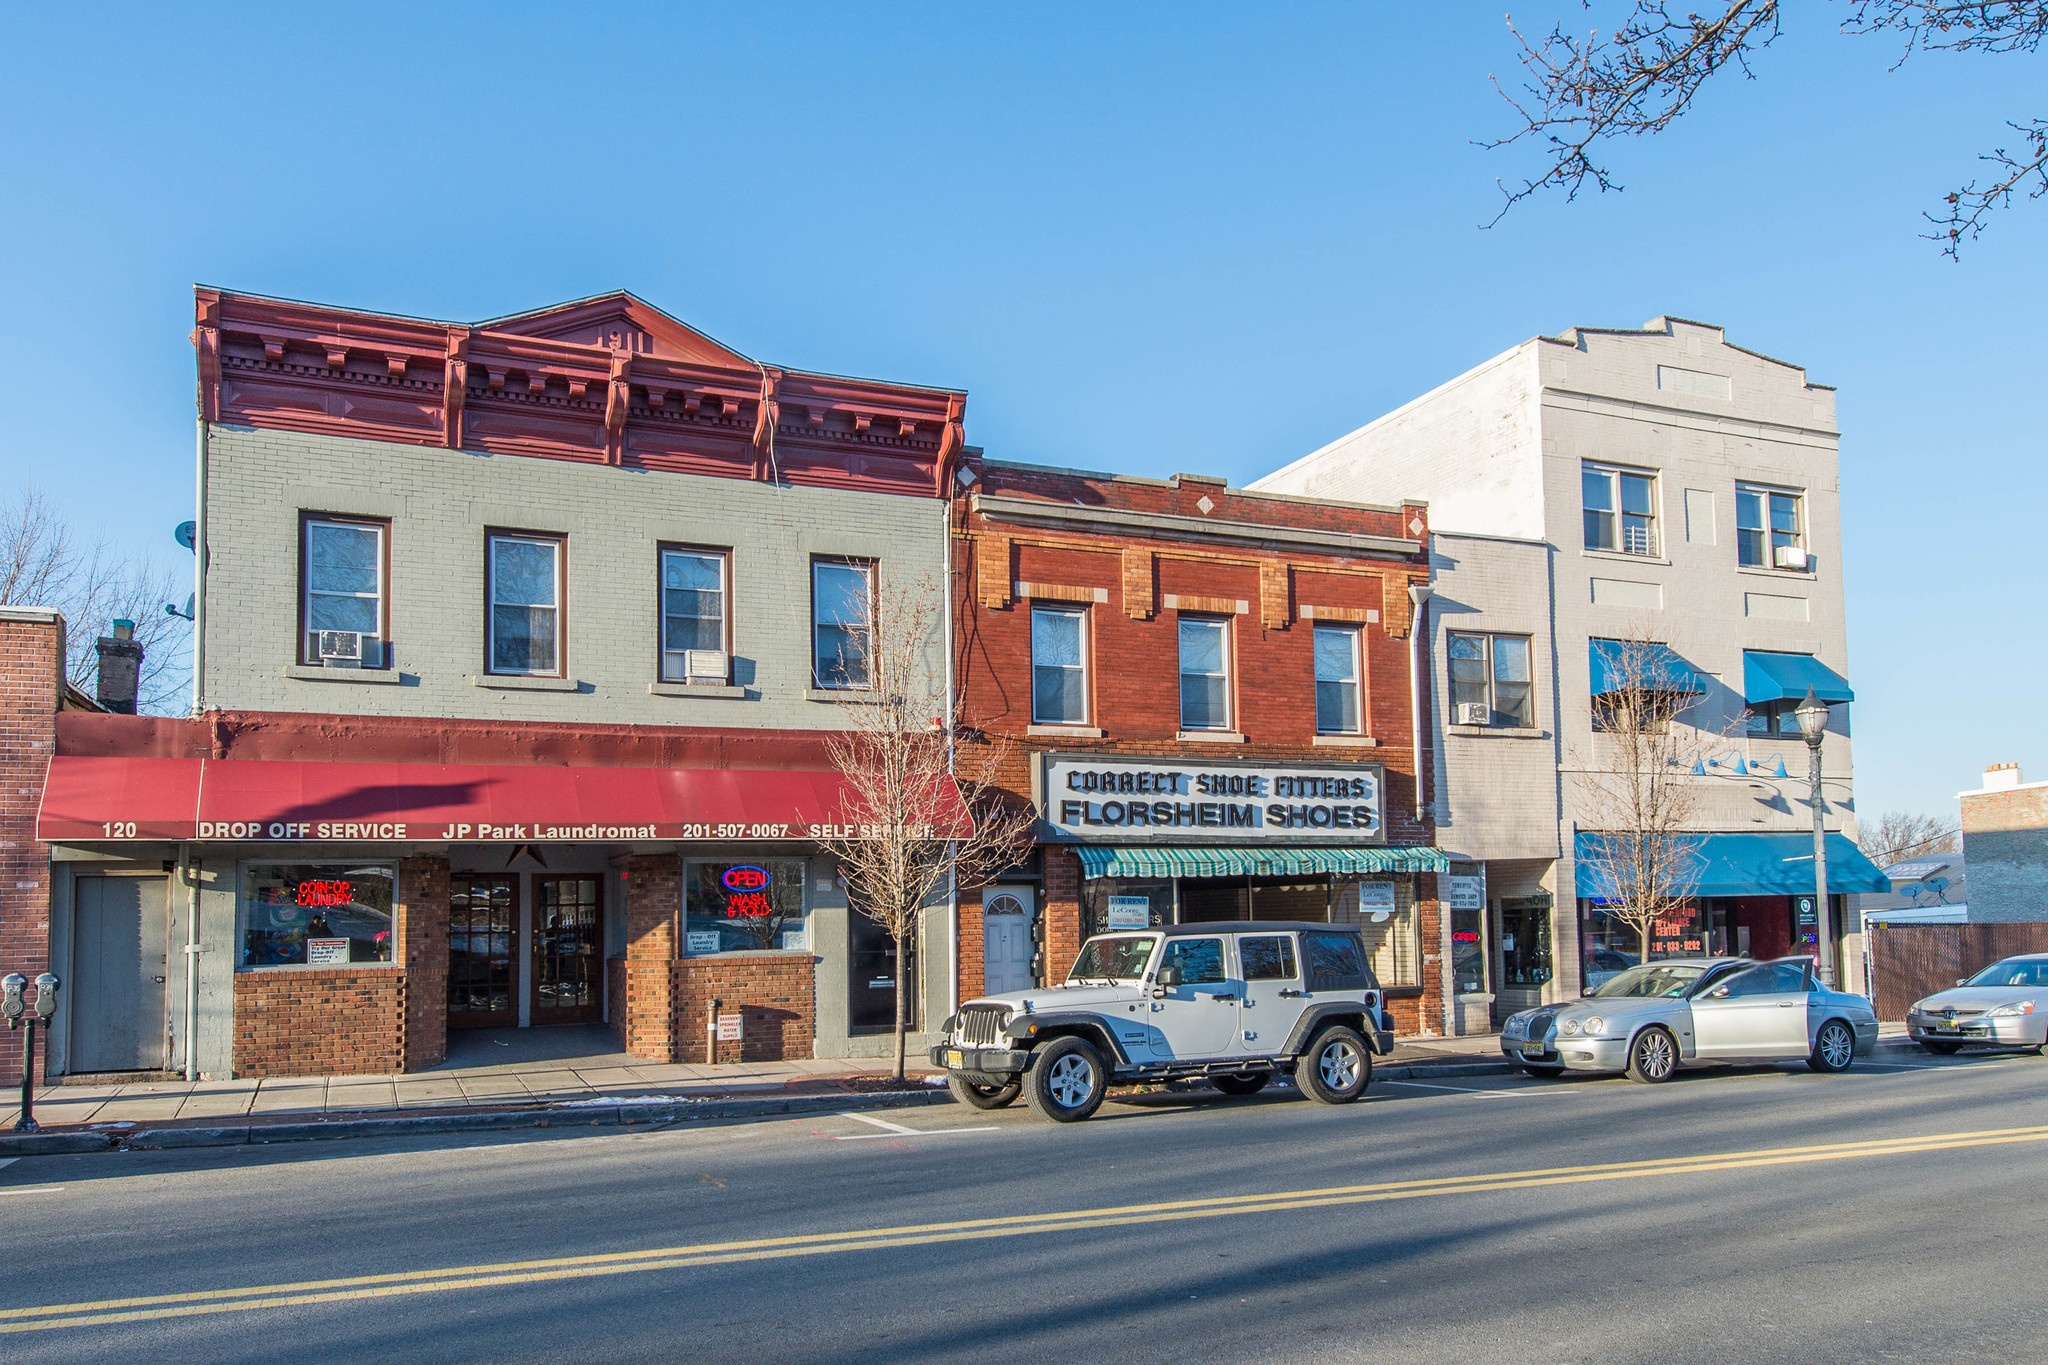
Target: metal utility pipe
x=946, y=644
x=1418, y=596
x=1823, y=922
x=190, y=877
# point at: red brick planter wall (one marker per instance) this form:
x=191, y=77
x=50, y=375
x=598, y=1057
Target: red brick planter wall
x=776, y=992
x=320, y=1021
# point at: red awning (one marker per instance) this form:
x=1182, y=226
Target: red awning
x=95, y=799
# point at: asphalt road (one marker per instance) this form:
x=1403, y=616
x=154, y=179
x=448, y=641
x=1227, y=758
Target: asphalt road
x=1767, y=1215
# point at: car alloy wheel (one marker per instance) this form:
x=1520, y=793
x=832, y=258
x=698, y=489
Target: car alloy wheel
x=1835, y=1048
x=1338, y=1066
x=1652, y=1057
x=1070, y=1081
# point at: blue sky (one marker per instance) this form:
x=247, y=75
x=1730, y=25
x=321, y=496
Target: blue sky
x=1148, y=239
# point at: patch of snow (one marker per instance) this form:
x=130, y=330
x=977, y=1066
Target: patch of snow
x=607, y=1101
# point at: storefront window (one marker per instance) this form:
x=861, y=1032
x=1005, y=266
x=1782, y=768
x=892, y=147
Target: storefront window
x=1525, y=940
x=1109, y=904
x=1384, y=912
x=1468, y=951
x=1612, y=945
x=316, y=914
x=744, y=907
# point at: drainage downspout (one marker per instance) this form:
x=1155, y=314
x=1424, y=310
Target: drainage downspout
x=1418, y=598
x=190, y=877
x=946, y=643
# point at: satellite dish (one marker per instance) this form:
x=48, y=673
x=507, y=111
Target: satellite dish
x=187, y=533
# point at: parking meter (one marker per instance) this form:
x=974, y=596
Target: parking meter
x=11, y=1003
x=46, y=996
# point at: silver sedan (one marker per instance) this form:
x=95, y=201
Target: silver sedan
x=2005, y=1005
x=1652, y=1019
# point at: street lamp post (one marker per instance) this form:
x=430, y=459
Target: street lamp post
x=1812, y=715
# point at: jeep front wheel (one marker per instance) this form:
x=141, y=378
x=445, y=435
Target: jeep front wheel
x=983, y=1096
x=1067, y=1081
x=1336, y=1068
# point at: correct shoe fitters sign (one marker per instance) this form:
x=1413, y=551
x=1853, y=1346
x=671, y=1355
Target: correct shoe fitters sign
x=1104, y=800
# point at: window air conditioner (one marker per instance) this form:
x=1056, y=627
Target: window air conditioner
x=1474, y=713
x=1789, y=557
x=341, y=648
x=704, y=666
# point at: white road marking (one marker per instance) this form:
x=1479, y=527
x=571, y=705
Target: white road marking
x=6, y=1161
x=898, y=1130
x=1470, y=1090
x=31, y=1189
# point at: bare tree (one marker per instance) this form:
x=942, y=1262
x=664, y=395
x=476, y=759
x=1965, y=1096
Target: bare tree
x=905, y=836
x=1585, y=91
x=1640, y=791
x=1897, y=835
x=43, y=564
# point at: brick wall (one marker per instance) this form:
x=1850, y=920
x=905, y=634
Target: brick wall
x=31, y=672
x=615, y=998
x=2005, y=844
x=422, y=913
x=776, y=993
x=320, y=1021
x=646, y=1018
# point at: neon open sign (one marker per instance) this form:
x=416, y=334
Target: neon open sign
x=745, y=878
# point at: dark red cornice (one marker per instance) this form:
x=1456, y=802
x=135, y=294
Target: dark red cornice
x=609, y=380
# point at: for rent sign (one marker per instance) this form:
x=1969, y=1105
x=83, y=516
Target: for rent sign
x=1101, y=799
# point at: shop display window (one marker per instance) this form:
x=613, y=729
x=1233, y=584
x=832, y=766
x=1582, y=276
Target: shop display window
x=735, y=907
x=1384, y=911
x=316, y=914
x=1111, y=904
x=1612, y=945
x=1525, y=940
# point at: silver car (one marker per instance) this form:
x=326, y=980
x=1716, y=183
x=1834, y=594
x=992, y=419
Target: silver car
x=2005, y=1005
x=1652, y=1019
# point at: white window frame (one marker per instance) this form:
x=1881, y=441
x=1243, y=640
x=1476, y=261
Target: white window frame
x=1488, y=658
x=373, y=641
x=559, y=547
x=1765, y=492
x=1652, y=546
x=672, y=659
x=1222, y=625
x=869, y=570
x=1080, y=617
x=1356, y=681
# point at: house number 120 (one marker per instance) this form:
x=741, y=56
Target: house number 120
x=117, y=829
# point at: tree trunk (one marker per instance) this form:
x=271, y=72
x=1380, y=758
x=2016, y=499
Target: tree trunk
x=901, y=1013
x=1643, y=933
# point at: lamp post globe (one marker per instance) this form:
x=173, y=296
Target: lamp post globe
x=1812, y=715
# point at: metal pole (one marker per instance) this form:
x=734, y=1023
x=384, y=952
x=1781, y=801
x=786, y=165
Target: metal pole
x=1821, y=919
x=27, y=1122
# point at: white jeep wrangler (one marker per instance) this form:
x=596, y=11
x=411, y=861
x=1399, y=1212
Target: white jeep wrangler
x=1236, y=1003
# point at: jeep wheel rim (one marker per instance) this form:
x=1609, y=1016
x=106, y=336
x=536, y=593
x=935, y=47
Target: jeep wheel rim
x=1653, y=1055
x=1339, y=1066
x=1836, y=1047
x=1071, y=1081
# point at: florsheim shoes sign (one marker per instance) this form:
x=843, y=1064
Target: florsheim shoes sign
x=1100, y=799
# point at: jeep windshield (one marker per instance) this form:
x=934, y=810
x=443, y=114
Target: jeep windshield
x=1113, y=959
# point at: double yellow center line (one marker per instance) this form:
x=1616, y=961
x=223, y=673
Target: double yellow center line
x=356, y=1288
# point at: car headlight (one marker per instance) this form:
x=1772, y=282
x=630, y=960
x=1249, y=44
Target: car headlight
x=1594, y=1025
x=1568, y=1026
x=2008, y=1011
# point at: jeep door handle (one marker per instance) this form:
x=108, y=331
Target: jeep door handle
x=1290, y=995
x=1223, y=997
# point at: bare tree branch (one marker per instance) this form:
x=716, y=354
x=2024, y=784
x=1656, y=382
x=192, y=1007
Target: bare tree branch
x=903, y=841
x=42, y=564
x=1897, y=835
x=1584, y=92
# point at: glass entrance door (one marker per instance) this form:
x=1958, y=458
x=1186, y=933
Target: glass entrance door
x=483, y=932
x=568, y=950
x=871, y=977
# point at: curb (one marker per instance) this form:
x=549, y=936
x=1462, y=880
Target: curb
x=415, y=1124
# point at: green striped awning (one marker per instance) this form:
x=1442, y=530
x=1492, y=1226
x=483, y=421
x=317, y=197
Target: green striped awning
x=1099, y=860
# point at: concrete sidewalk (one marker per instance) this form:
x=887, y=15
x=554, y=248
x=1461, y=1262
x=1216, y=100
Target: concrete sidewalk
x=508, y=1068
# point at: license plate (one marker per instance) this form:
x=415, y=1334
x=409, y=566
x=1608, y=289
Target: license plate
x=1532, y=1050
x=1948, y=1028
x=954, y=1059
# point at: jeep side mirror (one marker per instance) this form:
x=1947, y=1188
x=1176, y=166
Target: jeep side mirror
x=1168, y=977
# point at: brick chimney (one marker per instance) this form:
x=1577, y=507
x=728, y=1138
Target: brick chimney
x=2001, y=776
x=120, y=669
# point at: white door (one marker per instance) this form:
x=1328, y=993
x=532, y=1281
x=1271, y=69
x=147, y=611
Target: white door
x=1270, y=967
x=1197, y=1017
x=1006, y=939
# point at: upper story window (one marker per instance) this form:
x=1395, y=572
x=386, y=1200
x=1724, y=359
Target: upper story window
x=1059, y=669
x=1769, y=529
x=693, y=615
x=1491, y=680
x=1621, y=509
x=525, y=595
x=842, y=622
x=344, y=608
x=1337, y=680
x=1204, y=673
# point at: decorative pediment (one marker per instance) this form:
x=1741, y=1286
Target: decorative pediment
x=620, y=322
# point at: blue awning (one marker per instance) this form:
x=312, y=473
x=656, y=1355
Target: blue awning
x=1783, y=677
x=1662, y=668
x=1103, y=860
x=1753, y=865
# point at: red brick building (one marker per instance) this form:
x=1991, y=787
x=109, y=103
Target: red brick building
x=1207, y=695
